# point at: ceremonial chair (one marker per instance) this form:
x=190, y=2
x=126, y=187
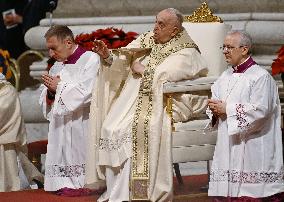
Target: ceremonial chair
x=20, y=77
x=14, y=67
x=9, y=68
x=24, y=62
x=37, y=148
x=190, y=144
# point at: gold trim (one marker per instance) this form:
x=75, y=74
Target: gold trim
x=140, y=131
x=13, y=65
x=202, y=14
x=139, y=190
x=169, y=99
x=141, y=124
x=16, y=64
x=30, y=52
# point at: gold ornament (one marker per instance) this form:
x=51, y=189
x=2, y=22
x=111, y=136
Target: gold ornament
x=202, y=14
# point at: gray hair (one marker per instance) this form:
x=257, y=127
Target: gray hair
x=60, y=31
x=245, y=38
x=178, y=14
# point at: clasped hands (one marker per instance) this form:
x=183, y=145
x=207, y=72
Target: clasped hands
x=50, y=82
x=218, y=108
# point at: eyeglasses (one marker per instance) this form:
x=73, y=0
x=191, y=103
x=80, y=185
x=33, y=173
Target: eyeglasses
x=229, y=48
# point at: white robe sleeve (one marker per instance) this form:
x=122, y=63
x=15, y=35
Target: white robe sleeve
x=134, y=44
x=250, y=117
x=42, y=102
x=73, y=94
x=213, y=124
x=46, y=109
x=214, y=89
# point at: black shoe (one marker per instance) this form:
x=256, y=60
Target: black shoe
x=38, y=183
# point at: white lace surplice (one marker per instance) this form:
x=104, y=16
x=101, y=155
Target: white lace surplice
x=69, y=116
x=248, y=155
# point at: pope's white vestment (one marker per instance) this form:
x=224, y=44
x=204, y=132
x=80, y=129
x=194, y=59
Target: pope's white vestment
x=248, y=156
x=129, y=122
x=68, y=116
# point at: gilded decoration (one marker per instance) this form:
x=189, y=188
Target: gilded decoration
x=169, y=100
x=202, y=14
x=140, y=127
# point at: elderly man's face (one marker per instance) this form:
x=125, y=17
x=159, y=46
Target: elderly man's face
x=234, y=53
x=58, y=49
x=165, y=28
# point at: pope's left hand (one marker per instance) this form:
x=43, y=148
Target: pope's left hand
x=138, y=68
x=50, y=82
x=218, y=107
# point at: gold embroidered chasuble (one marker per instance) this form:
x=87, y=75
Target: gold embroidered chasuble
x=140, y=129
x=150, y=135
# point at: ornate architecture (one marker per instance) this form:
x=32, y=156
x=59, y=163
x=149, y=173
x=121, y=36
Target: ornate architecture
x=262, y=19
x=98, y=8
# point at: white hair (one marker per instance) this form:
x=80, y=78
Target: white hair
x=245, y=38
x=178, y=15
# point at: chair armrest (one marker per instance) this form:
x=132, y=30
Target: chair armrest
x=170, y=88
x=202, y=83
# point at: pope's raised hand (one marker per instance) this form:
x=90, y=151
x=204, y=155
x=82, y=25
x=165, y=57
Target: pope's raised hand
x=101, y=49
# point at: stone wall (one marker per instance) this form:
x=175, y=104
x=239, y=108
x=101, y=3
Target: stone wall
x=266, y=29
x=263, y=19
x=93, y=8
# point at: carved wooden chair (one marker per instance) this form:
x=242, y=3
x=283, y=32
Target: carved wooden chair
x=189, y=142
x=24, y=62
x=37, y=148
x=10, y=68
x=15, y=79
